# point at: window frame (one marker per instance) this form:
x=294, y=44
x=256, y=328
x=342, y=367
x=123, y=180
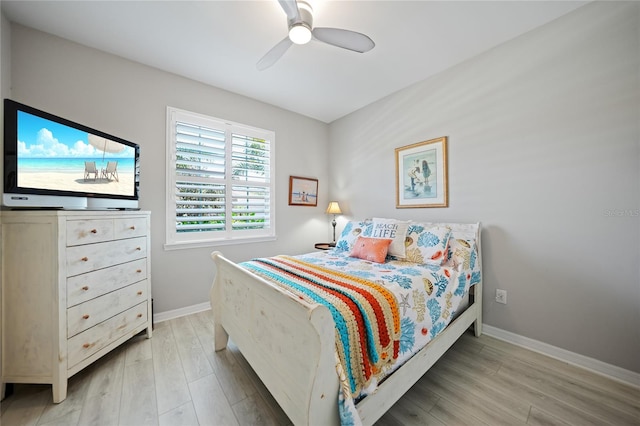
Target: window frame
x=177, y=240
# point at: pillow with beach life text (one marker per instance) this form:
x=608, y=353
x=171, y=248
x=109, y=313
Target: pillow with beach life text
x=352, y=230
x=426, y=243
x=394, y=229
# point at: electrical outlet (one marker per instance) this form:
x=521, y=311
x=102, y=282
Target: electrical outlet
x=501, y=296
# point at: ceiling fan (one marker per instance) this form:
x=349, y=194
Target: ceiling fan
x=301, y=31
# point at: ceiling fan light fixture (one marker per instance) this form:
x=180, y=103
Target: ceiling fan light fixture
x=300, y=34
x=301, y=31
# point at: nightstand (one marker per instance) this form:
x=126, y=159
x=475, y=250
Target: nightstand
x=324, y=246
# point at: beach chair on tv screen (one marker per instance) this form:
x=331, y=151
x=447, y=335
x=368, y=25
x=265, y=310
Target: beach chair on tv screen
x=111, y=172
x=90, y=169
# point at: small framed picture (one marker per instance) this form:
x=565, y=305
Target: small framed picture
x=421, y=174
x=303, y=191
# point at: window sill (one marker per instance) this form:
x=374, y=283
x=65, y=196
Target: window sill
x=216, y=243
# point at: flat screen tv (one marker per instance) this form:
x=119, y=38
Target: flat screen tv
x=52, y=162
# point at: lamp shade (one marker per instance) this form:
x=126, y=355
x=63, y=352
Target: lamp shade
x=333, y=208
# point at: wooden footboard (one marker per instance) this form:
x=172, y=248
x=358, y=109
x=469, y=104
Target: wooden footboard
x=289, y=343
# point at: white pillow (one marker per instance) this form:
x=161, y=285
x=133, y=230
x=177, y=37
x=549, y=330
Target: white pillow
x=394, y=229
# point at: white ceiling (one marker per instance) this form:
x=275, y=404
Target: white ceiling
x=219, y=42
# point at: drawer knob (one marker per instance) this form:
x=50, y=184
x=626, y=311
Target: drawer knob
x=139, y=315
x=133, y=228
x=94, y=231
x=138, y=270
x=85, y=316
x=86, y=345
x=138, y=248
x=84, y=259
x=85, y=288
x=140, y=293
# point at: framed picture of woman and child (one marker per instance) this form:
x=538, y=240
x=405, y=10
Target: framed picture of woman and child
x=421, y=174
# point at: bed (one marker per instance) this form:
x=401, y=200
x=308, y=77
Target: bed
x=292, y=341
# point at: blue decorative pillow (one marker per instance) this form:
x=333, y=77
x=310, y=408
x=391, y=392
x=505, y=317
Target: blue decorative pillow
x=352, y=230
x=427, y=243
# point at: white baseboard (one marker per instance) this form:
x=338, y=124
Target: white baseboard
x=626, y=376
x=176, y=313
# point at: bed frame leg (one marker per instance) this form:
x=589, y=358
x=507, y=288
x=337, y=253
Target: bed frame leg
x=477, y=325
x=477, y=328
x=220, y=337
x=477, y=289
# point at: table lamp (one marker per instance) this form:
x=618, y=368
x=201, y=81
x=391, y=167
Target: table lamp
x=333, y=209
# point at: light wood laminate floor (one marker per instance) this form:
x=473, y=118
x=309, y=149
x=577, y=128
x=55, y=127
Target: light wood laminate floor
x=176, y=378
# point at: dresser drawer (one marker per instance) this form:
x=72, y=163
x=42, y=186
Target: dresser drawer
x=94, y=311
x=92, y=340
x=81, y=288
x=89, y=231
x=81, y=259
x=130, y=227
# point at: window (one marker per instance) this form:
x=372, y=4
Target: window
x=220, y=186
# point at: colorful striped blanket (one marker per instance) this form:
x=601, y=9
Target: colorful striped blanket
x=366, y=314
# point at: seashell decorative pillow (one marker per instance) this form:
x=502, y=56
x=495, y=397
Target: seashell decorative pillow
x=426, y=243
x=463, y=253
x=352, y=230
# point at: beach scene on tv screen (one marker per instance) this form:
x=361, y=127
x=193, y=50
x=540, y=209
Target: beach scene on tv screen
x=58, y=157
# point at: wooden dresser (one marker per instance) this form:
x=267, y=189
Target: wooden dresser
x=75, y=285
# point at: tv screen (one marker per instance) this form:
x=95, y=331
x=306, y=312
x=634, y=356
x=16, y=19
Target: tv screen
x=53, y=162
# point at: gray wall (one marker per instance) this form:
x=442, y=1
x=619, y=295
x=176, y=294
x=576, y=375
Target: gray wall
x=129, y=100
x=544, y=151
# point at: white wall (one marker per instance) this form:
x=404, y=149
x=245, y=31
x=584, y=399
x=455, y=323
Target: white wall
x=129, y=100
x=544, y=151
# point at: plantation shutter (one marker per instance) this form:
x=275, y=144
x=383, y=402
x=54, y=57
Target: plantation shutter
x=250, y=168
x=200, y=172
x=221, y=188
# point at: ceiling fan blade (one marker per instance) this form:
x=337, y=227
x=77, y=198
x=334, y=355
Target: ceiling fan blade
x=290, y=7
x=274, y=54
x=344, y=38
